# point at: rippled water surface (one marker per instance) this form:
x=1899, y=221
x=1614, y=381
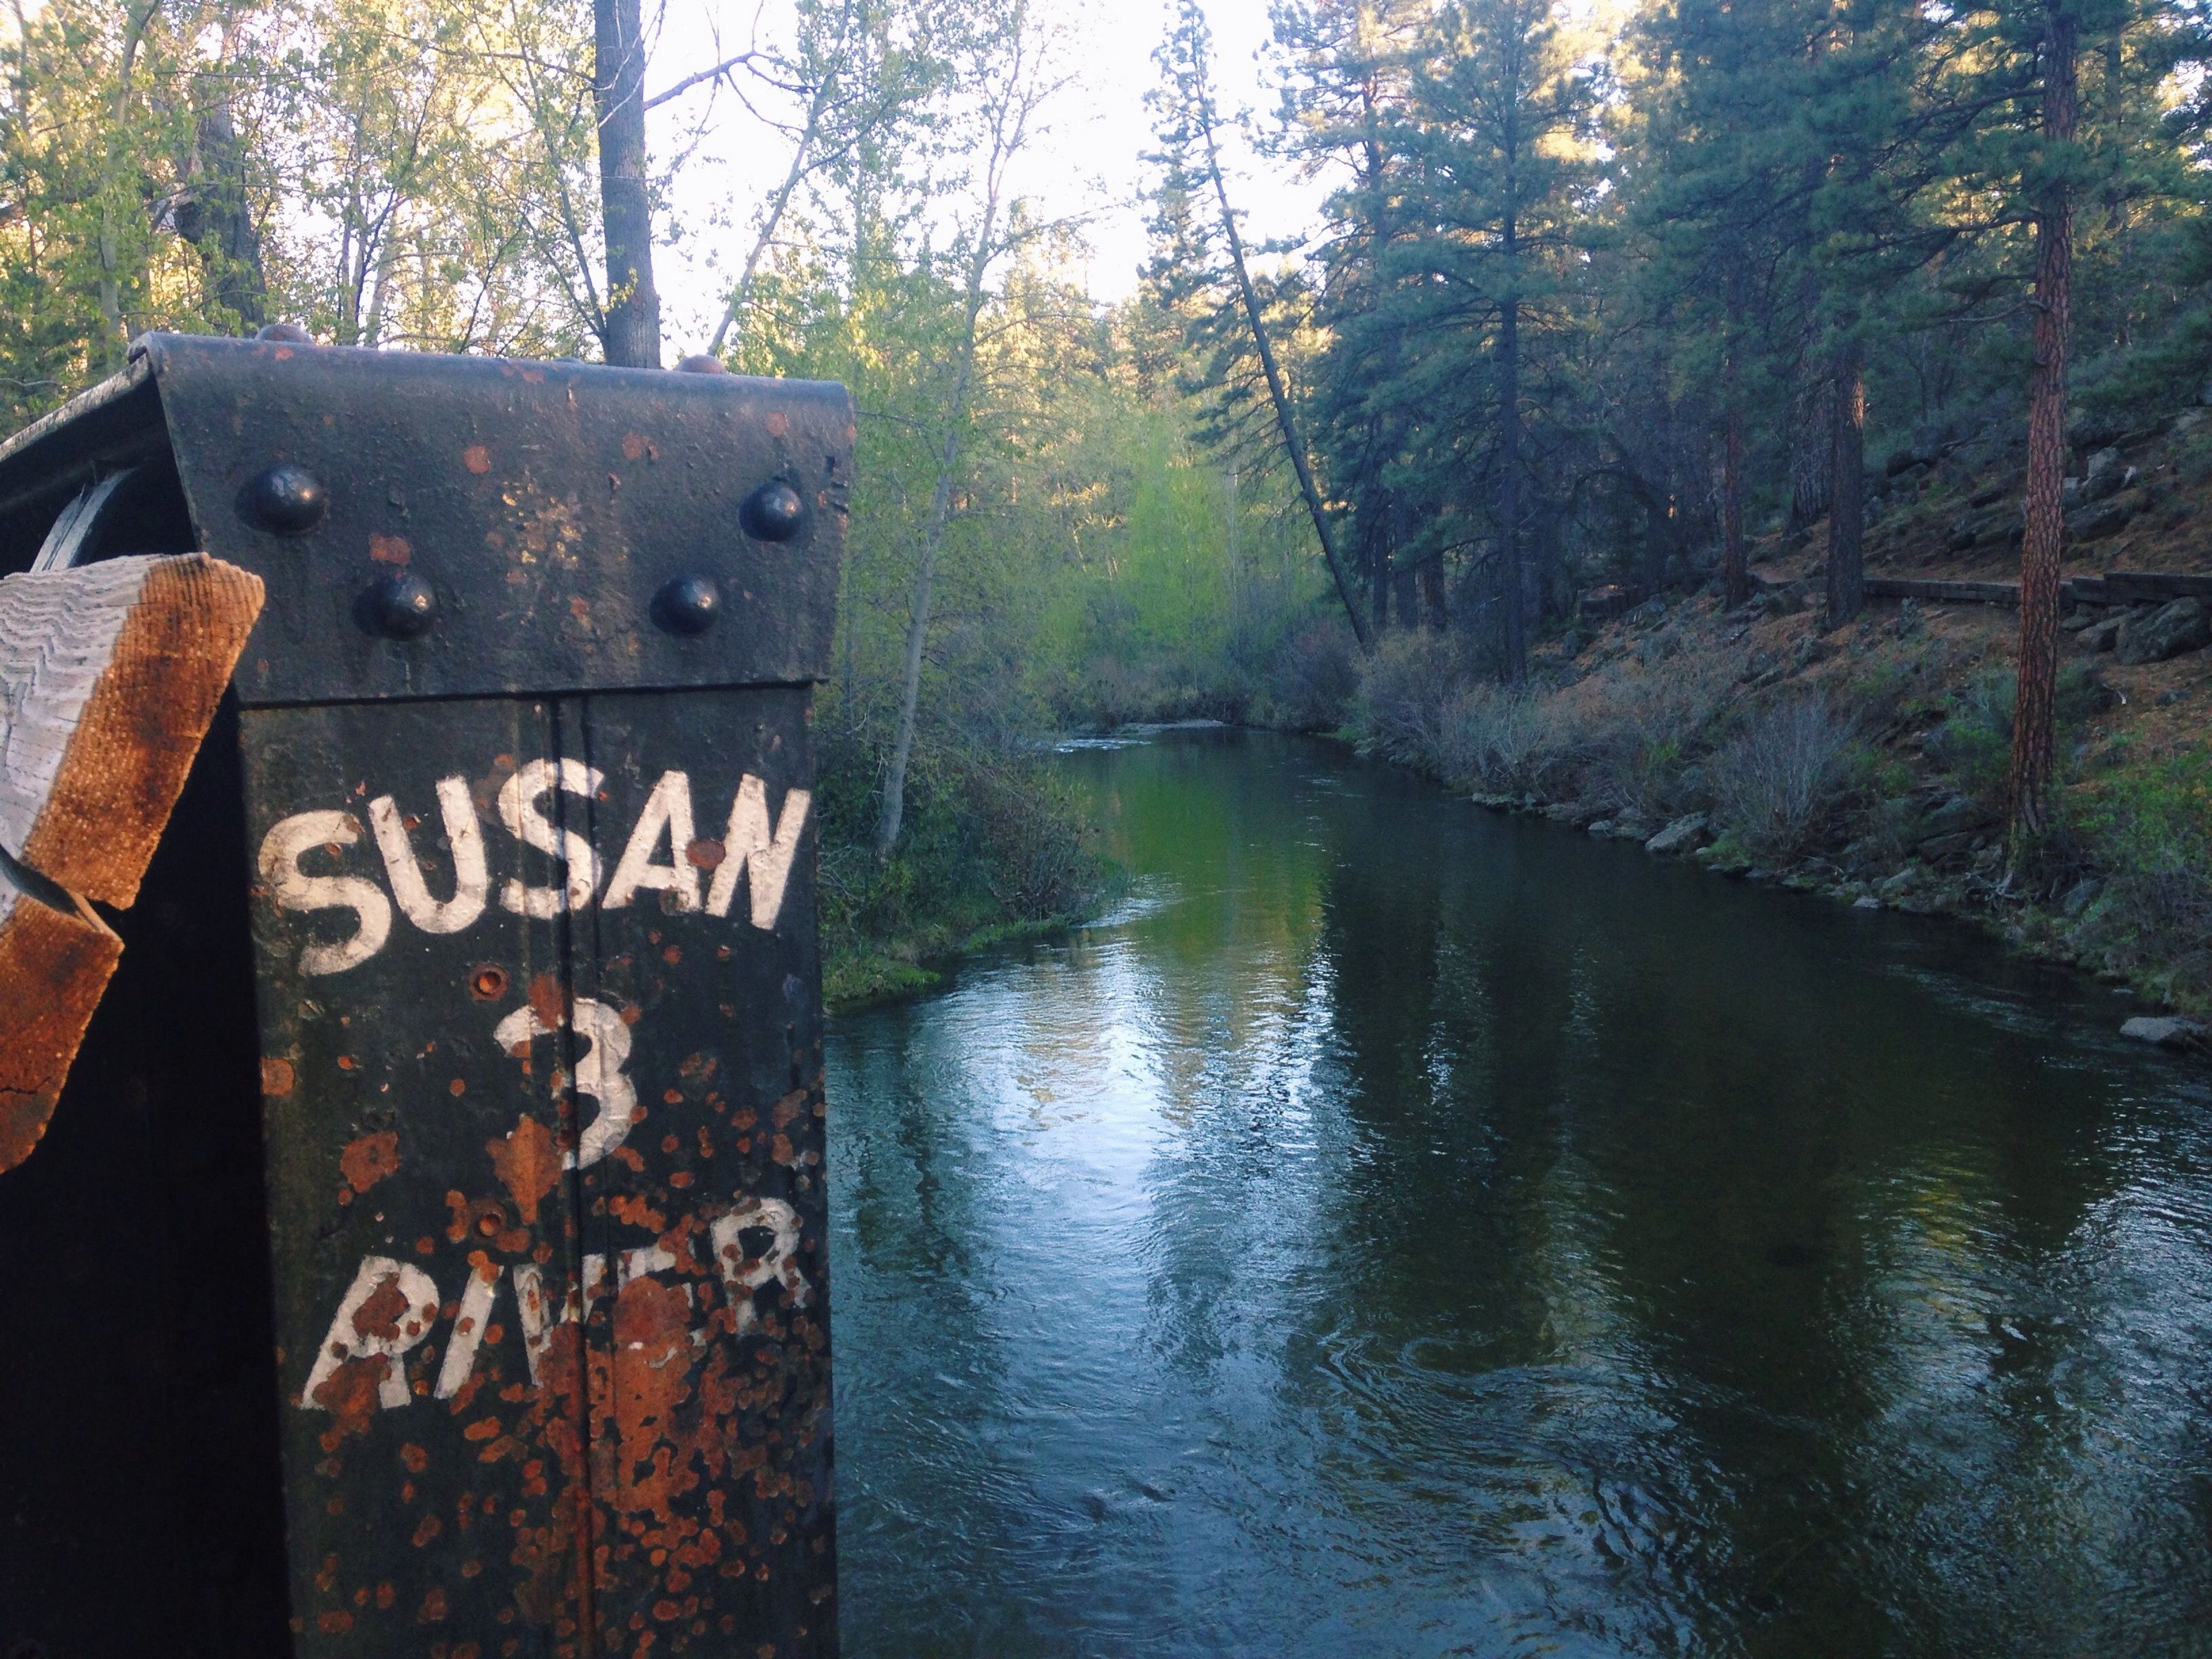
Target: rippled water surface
x=1400, y=1231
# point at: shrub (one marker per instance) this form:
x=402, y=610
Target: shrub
x=1399, y=710
x=1312, y=678
x=1493, y=739
x=1636, y=743
x=1778, y=777
x=993, y=839
x=2151, y=830
x=1974, y=743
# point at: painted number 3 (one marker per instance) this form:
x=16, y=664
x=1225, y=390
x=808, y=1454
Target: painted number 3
x=598, y=1071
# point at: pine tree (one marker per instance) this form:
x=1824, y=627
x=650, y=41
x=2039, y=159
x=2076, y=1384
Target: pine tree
x=1505, y=124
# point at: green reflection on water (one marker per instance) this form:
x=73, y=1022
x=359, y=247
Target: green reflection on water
x=1401, y=1232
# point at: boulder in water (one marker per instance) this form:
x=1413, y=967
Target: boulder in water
x=1679, y=836
x=2166, y=1030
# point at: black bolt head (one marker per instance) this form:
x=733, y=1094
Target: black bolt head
x=402, y=607
x=688, y=605
x=774, y=512
x=285, y=499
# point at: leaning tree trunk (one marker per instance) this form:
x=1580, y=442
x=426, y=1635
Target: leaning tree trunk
x=1847, y=492
x=2033, y=718
x=631, y=333
x=1285, y=421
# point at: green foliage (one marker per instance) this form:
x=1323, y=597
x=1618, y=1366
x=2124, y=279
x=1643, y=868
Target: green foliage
x=1973, y=745
x=994, y=844
x=2151, y=828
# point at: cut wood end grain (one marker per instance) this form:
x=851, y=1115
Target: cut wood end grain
x=110, y=675
x=54, y=967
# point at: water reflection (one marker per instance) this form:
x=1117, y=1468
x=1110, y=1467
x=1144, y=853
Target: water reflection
x=1402, y=1231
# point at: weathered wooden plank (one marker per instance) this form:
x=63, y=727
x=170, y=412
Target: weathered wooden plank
x=2131, y=587
x=1942, y=593
x=56, y=958
x=109, y=677
x=2113, y=588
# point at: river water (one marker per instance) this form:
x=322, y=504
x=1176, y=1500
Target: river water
x=1402, y=1230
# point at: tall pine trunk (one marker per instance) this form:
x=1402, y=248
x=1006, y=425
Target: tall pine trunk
x=1514, y=639
x=1735, y=575
x=1436, y=605
x=631, y=334
x=2033, y=718
x=1812, y=451
x=1847, y=492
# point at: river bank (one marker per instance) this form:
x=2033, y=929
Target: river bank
x=994, y=849
x=1867, y=762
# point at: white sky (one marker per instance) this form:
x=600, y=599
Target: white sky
x=1087, y=161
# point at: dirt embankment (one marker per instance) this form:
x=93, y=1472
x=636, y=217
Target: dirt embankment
x=1867, y=761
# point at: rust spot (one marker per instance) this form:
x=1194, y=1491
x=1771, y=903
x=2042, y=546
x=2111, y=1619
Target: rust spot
x=276, y=1078
x=379, y=1316
x=457, y=1087
x=415, y=1458
x=367, y=1161
x=632, y=446
x=637, y=1211
x=672, y=956
x=528, y=1164
x=385, y=1594
x=476, y=458
x=790, y=1107
x=488, y=984
x=334, y=1624
x=349, y=1394
x=777, y=422
x=549, y=999
x=432, y=1608
x=705, y=854
x=389, y=550
x=483, y=1429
